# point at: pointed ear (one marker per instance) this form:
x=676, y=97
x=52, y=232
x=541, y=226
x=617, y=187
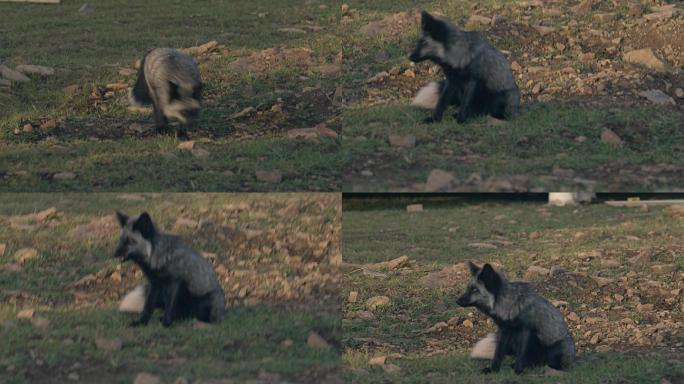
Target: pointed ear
x=474, y=269
x=144, y=225
x=490, y=278
x=436, y=28
x=122, y=217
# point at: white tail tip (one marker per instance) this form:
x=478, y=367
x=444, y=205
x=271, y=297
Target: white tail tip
x=427, y=97
x=484, y=349
x=134, y=301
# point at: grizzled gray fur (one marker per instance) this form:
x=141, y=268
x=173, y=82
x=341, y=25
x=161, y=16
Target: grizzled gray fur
x=180, y=281
x=478, y=77
x=529, y=327
x=170, y=81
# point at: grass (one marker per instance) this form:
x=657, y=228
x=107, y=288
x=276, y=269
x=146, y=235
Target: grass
x=75, y=284
x=555, y=144
x=513, y=235
x=92, y=139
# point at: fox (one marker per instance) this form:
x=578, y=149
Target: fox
x=179, y=281
x=170, y=81
x=479, y=79
x=529, y=327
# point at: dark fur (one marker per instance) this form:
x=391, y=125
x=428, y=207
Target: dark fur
x=478, y=78
x=529, y=327
x=172, y=270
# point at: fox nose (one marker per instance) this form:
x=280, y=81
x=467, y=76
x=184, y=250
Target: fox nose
x=462, y=301
x=413, y=57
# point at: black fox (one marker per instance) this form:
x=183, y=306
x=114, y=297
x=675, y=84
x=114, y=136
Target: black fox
x=180, y=281
x=529, y=327
x=170, y=81
x=478, y=77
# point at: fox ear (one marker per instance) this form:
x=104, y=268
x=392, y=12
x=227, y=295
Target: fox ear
x=490, y=278
x=434, y=27
x=122, y=217
x=144, y=225
x=474, y=269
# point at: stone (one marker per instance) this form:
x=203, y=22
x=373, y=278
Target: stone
x=534, y=272
x=439, y=181
x=146, y=378
x=377, y=301
x=29, y=69
x=315, y=341
x=611, y=138
x=10, y=74
x=645, y=57
x=657, y=96
x=25, y=254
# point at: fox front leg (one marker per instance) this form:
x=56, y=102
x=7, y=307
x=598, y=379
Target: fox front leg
x=170, y=300
x=150, y=304
x=160, y=121
x=444, y=101
x=468, y=93
x=502, y=344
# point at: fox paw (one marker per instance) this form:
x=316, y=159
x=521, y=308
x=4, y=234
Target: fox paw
x=165, y=322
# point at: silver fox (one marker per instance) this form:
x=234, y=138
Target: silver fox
x=478, y=78
x=180, y=281
x=170, y=81
x=529, y=327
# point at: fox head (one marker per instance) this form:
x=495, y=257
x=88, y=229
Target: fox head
x=435, y=34
x=137, y=234
x=484, y=286
x=184, y=103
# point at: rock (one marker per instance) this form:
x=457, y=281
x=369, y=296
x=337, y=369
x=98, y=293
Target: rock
x=664, y=268
x=657, y=96
x=644, y=57
x=29, y=69
x=146, y=378
x=534, y=272
x=25, y=313
x=414, y=208
x=399, y=262
x=272, y=177
x=611, y=138
x=73, y=376
x=603, y=281
x=302, y=133
x=353, y=296
x=109, y=345
x=25, y=254
x=391, y=368
x=315, y=341
x=50, y=123
x=377, y=301
x=10, y=74
x=475, y=20
x=28, y=128
x=377, y=360
x=64, y=176
x=439, y=181
x=408, y=141
x=116, y=86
